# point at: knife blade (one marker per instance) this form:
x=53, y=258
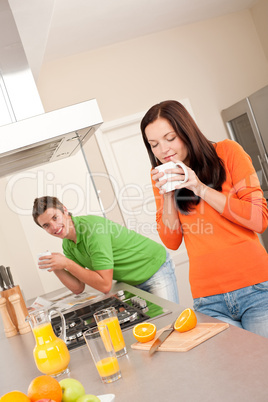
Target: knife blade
x=10, y=276
x=161, y=338
x=5, y=277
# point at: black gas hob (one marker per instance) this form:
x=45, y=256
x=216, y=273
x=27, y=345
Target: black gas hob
x=131, y=310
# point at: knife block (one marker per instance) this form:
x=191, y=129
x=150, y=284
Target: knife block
x=24, y=327
x=9, y=327
x=6, y=294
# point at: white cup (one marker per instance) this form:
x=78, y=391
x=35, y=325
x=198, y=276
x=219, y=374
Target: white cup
x=170, y=185
x=43, y=255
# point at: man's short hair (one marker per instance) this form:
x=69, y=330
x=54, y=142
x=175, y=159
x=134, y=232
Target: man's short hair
x=41, y=204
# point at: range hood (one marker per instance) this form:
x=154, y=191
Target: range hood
x=47, y=137
x=28, y=136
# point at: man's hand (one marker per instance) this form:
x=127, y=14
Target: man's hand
x=75, y=277
x=53, y=262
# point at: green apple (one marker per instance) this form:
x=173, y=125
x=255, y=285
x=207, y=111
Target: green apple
x=88, y=398
x=71, y=389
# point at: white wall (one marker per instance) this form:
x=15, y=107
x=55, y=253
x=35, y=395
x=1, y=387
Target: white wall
x=213, y=63
x=260, y=18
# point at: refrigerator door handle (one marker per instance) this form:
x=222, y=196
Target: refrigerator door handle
x=263, y=171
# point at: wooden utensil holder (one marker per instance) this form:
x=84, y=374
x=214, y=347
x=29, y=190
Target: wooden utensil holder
x=9, y=327
x=10, y=308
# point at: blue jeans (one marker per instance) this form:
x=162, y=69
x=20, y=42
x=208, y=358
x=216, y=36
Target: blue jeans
x=245, y=308
x=163, y=283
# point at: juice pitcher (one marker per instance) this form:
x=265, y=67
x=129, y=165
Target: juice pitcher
x=51, y=354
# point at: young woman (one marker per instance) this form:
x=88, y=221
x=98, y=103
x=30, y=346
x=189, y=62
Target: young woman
x=217, y=211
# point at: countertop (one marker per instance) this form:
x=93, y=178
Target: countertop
x=232, y=366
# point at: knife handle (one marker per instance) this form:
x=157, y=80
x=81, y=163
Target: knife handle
x=9, y=274
x=5, y=277
x=2, y=286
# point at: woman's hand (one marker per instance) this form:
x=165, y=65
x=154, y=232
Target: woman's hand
x=213, y=197
x=193, y=183
x=156, y=175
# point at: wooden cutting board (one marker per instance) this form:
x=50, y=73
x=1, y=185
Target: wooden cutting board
x=182, y=342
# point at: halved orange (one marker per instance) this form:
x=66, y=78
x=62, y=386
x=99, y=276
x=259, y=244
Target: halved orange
x=144, y=332
x=187, y=320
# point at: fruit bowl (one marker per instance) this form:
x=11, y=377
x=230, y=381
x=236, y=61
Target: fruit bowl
x=106, y=397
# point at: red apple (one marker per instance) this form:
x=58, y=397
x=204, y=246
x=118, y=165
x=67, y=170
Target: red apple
x=45, y=400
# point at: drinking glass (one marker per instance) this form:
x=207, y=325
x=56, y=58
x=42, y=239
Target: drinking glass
x=101, y=348
x=108, y=317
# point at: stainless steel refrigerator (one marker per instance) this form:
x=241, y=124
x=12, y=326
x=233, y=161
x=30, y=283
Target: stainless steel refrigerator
x=247, y=123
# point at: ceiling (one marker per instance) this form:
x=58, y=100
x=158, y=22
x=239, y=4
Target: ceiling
x=51, y=29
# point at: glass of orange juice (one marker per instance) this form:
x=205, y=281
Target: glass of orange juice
x=103, y=354
x=108, y=317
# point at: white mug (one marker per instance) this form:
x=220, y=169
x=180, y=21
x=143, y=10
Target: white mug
x=170, y=185
x=43, y=255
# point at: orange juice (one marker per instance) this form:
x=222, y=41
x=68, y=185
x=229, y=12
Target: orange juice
x=107, y=366
x=50, y=353
x=115, y=332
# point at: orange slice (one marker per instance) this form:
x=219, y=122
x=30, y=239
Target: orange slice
x=144, y=332
x=187, y=320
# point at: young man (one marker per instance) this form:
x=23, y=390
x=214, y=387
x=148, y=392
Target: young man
x=97, y=250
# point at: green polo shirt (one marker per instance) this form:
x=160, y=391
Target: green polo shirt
x=103, y=244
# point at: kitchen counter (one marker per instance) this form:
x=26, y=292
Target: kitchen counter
x=231, y=366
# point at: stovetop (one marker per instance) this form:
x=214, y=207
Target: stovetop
x=131, y=310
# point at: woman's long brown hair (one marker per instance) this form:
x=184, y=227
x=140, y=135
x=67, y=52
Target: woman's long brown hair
x=202, y=156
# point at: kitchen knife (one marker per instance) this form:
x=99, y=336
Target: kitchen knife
x=5, y=277
x=2, y=286
x=10, y=276
x=161, y=338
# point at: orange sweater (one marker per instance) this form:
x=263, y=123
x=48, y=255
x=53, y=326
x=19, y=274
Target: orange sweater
x=224, y=251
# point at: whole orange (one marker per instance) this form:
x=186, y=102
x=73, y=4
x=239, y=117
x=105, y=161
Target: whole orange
x=15, y=396
x=44, y=387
